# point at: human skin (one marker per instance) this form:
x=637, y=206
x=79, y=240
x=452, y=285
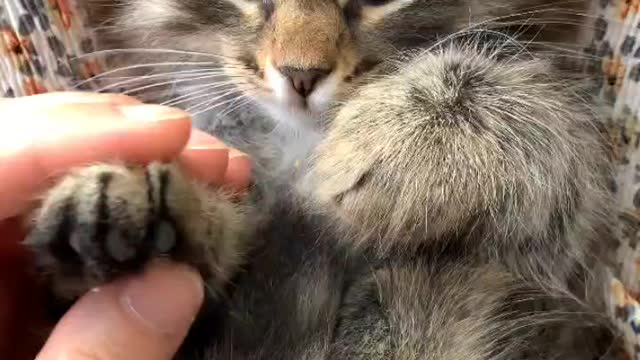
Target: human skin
x=41, y=138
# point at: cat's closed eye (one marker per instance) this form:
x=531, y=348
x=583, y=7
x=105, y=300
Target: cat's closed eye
x=375, y=2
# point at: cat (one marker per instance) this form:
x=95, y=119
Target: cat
x=430, y=179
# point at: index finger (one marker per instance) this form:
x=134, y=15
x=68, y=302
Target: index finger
x=51, y=139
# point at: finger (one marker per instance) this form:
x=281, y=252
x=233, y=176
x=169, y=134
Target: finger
x=52, y=139
x=60, y=98
x=212, y=161
x=206, y=158
x=238, y=175
x=137, y=134
x=141, y=318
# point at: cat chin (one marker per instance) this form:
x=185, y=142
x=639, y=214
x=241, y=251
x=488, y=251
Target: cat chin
x=293, y=116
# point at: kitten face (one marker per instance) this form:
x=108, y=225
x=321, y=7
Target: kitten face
x=298, y=57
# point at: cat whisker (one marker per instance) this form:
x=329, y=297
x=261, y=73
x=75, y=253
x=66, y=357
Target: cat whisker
x=170, y=82
x=247, y=100
x=510, y=40
x=547, y=22
x=198, y=94
x=214, y=106
x=543, y=10
x=495, y=20
x=140, y=66
x=554, y=4
x=173, y=74
x=577, y=55
x=154, y=51
x=219, y=95
x=188, y=96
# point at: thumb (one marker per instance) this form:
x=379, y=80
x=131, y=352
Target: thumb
x=142, y=317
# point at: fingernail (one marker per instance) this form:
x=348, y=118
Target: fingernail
x=152, y=113
x=166, y=297
x=235, y=153
x=215, y=148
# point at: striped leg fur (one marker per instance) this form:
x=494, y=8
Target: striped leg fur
x=107, y=220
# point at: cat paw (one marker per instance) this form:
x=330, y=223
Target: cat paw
x=452, y=140
x=104, y=221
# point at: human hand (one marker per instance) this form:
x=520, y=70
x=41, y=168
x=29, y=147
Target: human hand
x=43, y=136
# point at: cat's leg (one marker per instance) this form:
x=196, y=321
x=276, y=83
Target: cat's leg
x=461, y=144
x=497, y=160
x=434, y=309
x=107, y=220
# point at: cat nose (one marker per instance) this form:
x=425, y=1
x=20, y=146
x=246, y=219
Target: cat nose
x=303, y=80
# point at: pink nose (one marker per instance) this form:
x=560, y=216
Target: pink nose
x=303, y=80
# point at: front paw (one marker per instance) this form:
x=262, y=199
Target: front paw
x=458, y=140
x=104, y=221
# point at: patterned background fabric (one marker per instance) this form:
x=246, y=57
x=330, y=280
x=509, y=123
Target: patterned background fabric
x=43, y=47
x=40, y=45
x=614, y=34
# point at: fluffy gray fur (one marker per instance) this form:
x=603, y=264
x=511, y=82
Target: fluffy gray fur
x=450, y=204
